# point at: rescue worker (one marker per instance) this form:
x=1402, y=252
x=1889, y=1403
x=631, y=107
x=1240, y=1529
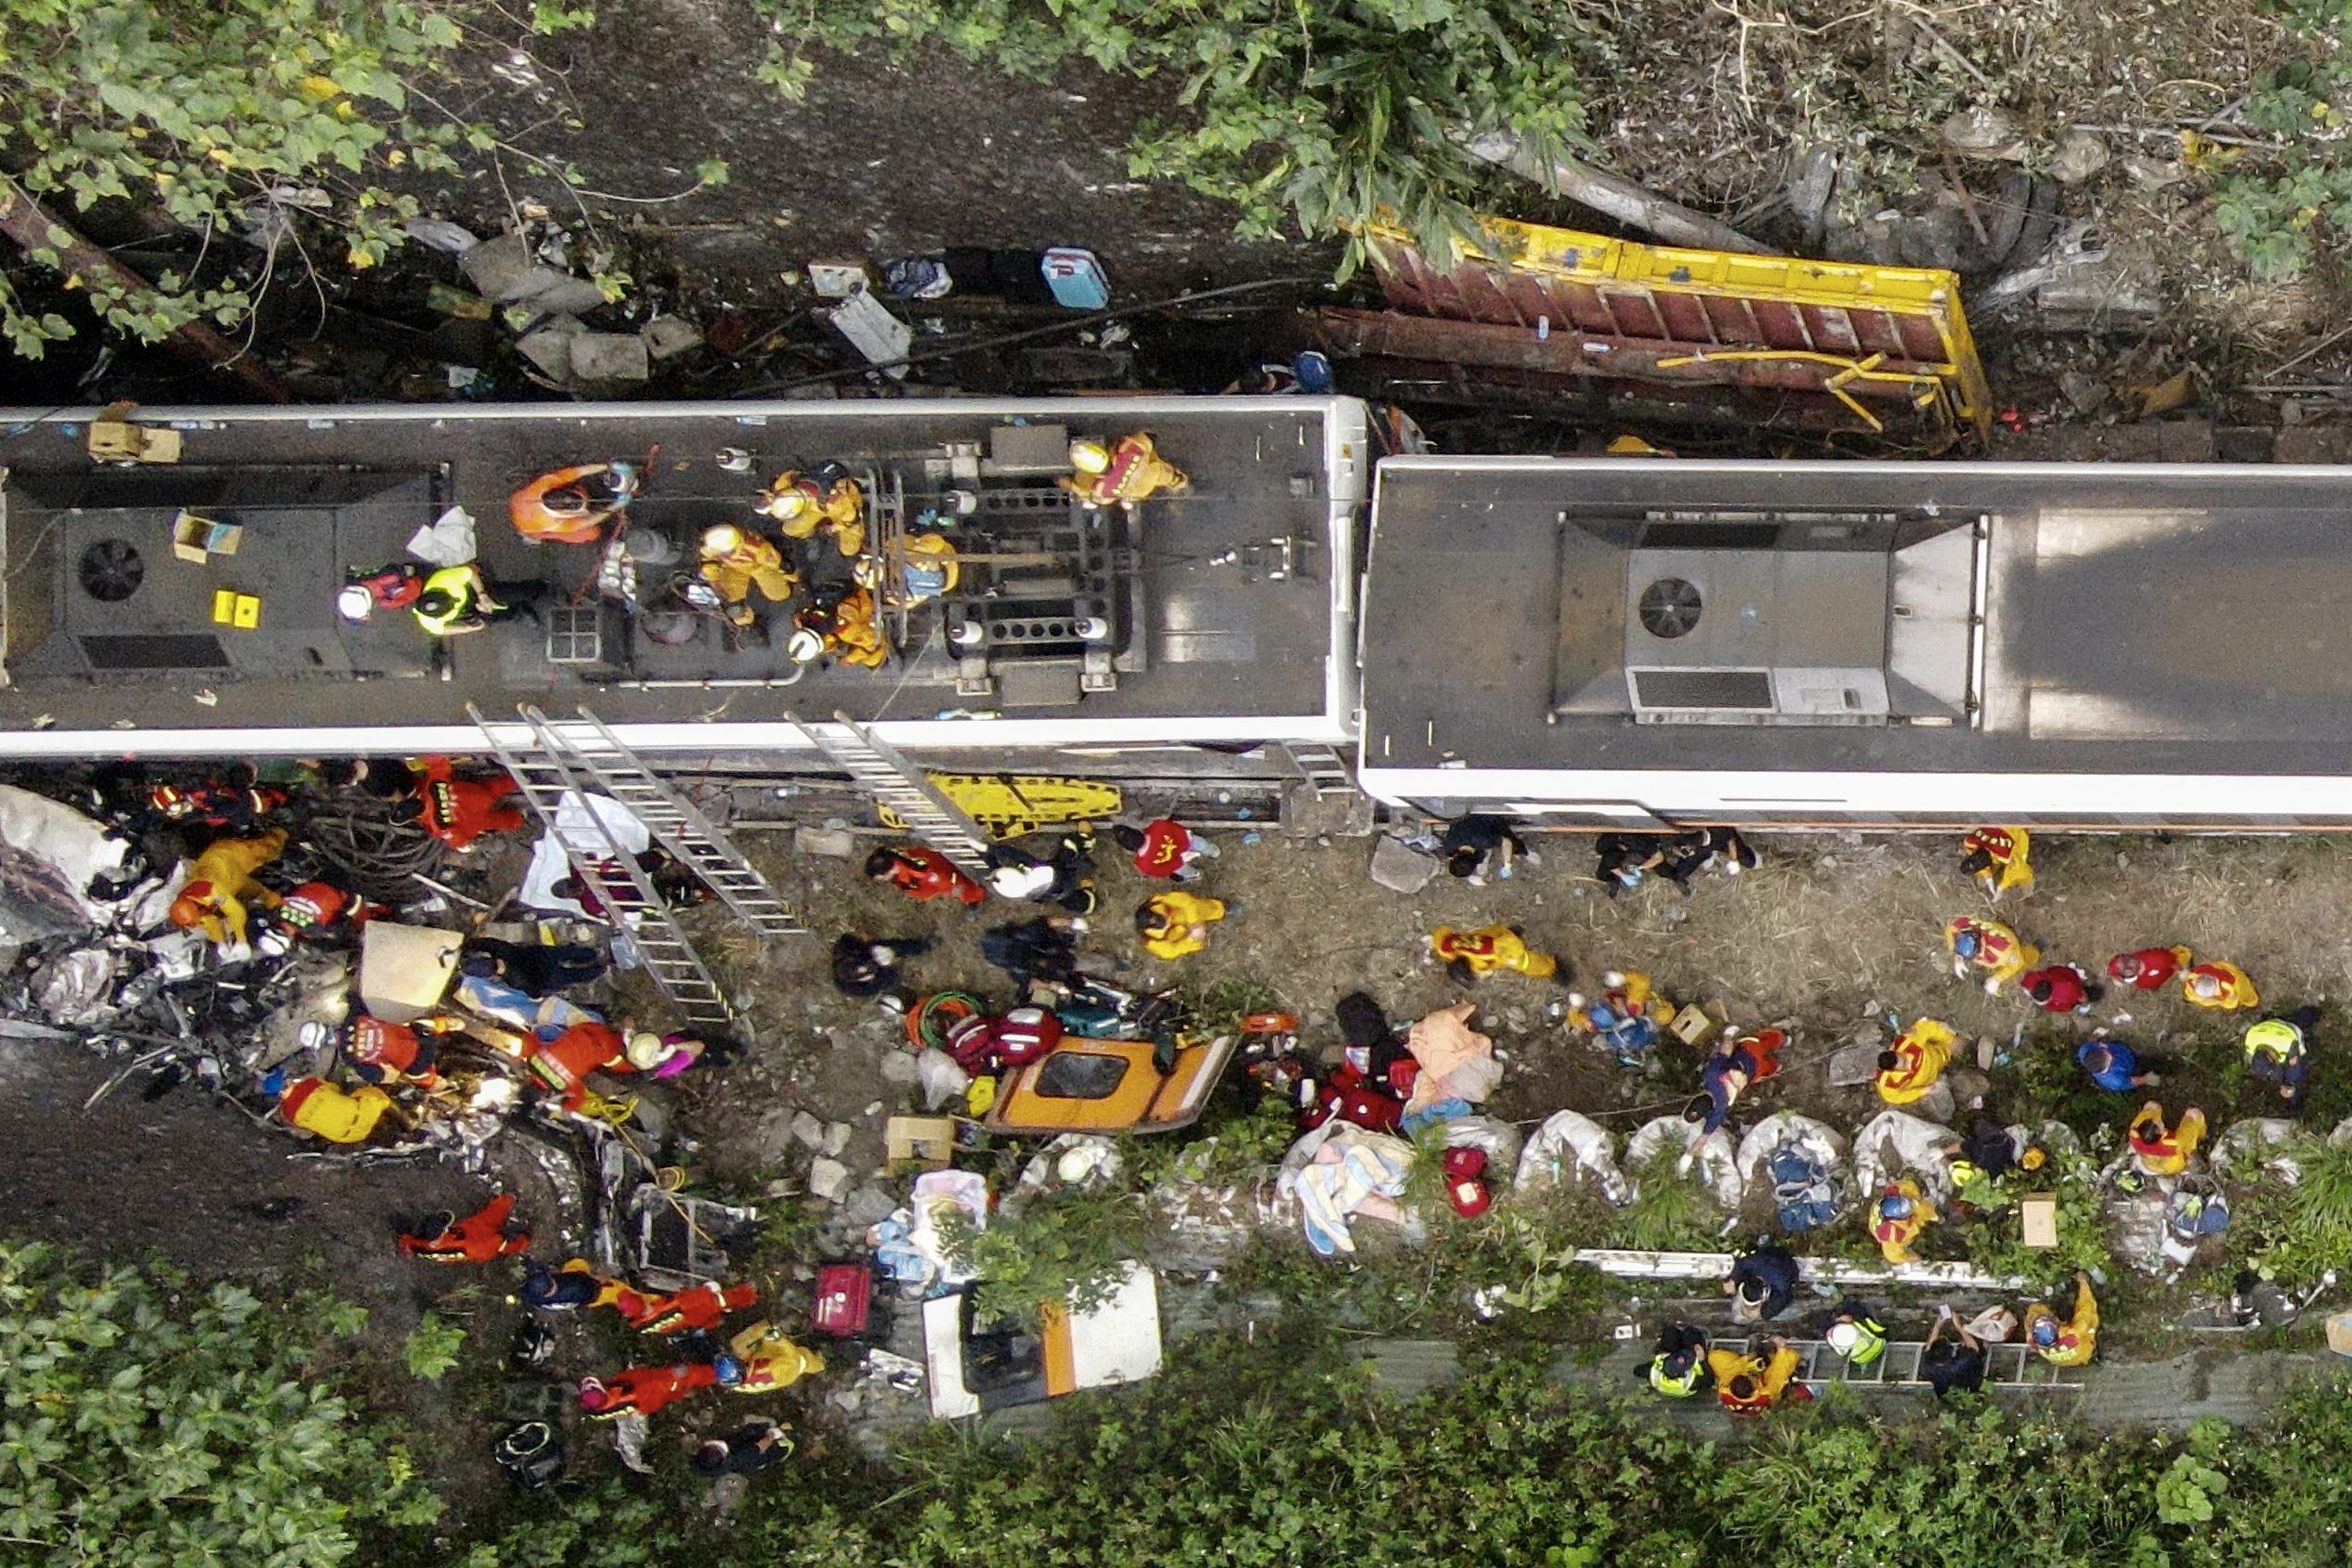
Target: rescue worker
x=536, y=969
x=1746, y=1385
x=695, y=1309
x=842, y=624
x=570, y=1287
x=2222, y=986
x=1065, y=877
x=1678, y=1369
x=1626, y=1018
x=2060, y=987
x=556, y=508
x=1164, y=849
x=1127, y=472
x=2277, y=1052
x=2071, y=1344
x=1473, y=955
x=2116, y=1066
x=2151, y=969
x=1988, y=946
x=643, y=1390
x=380, y=1050
x=1855, y=1333
x=1173, y=924
x=481, y=1237
x=457, y=811
x=456, y=600
x=1901, y=1212
x=1762, y=1283
x=1954, y=1363
x=1975, y=1190
x=1998, y=858
x=316, y=1105
x=827, y=499
x=1909, y=1068
x=2160, y=1151
x=214, y=804
x=734, y=563
x=769, y=1360
x=1725, y=1074
x=927, y=568
x=564, y=1063
x=923, y=874
x=1480, y=842
x=397, y=586
x=323, y=912
x=212, y=900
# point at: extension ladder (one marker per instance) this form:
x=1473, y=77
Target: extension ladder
x=594, y=751
x=883, y=775
x=546, y=778
x=2011, y=1366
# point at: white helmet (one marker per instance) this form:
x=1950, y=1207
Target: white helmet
x=1090, y=457
x=805, y=645
x=722, y=538
x=353, y=602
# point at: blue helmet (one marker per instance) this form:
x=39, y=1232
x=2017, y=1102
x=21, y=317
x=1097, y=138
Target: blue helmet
x=730, y=1370
x=1967, y=944
x=2045, y=1331
x=1894, y=1205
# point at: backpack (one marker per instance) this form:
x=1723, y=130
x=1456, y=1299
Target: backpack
x=1802, y=1190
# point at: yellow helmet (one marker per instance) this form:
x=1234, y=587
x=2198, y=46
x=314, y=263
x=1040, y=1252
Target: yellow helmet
x=786, y=502
x=722, y=538
x=1090, y=457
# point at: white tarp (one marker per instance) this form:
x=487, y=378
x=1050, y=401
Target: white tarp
x=1571, y=1141
x=1710, y=1153
x=576, y=831
x=49, y=854
x=1821, y=1144
x=1893, y=1141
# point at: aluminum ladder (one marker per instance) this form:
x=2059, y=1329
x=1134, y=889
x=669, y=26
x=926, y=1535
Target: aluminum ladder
x=676, y=970
x=596, y=754
x=882, y=775
x=2011, y=1366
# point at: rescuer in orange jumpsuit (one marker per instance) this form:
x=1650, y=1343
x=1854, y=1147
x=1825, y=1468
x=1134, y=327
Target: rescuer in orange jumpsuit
x=457, y=811
x=556, y=508
x=923, y=874
x=480, y=1238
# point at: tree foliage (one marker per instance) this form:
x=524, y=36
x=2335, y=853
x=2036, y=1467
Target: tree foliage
x=1332, y=115
x=148, y=1422
x=1277, y=1452
x=207, y=110
x=2286, y=205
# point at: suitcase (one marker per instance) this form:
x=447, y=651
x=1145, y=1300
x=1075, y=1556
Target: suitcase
x=845, y=1301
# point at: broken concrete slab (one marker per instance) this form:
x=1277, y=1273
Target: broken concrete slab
x=548, y=346
x=807, y=1129
x=1400, y=868
x=902, y=1066
x=609, y=357
x=837, y=1135
x=828, y=1179
x=869, y=1205
x=839, y=843
x=667, y=336
x=496, y=266
x=1854, y=1065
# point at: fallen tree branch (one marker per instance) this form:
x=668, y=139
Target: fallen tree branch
x=33, y=228
x=1619, y=199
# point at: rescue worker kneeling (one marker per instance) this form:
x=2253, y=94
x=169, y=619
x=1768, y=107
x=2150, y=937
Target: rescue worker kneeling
x=338, y=1116
x=222, y=877
x=734, y=563
x=843, y=625
x=1678, y=1368
x=1746, y=1385
x=827, y=499
x=1121, y=475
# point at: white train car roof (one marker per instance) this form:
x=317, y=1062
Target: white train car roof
x=1634, y=641
x=1234, y=599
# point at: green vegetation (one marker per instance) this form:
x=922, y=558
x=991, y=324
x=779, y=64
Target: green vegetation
x=1332, y=115
x=432, y=1347
x=2284, y=205
x=206, y=110
x=1072, y=1246
x=146, y=1420
x=1275, y=1452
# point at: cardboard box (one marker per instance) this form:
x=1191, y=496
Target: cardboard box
x=113, y=438
x=1692, y=1025
x=197, y=540
x=405, y=970
x=926, y=1141
x=2037, y=1212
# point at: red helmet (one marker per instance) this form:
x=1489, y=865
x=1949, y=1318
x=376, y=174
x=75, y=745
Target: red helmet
x=170, y=800
x=1026, y=1032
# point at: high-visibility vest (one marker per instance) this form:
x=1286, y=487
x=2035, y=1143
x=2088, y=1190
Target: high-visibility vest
x=1870, y=1341
x=458, y=584
x=2275, y=1037
x=1682, y=1387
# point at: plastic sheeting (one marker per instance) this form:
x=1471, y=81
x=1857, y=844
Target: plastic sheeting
x=1821, y=1144
x=1571, y=1141
x=49, y=856
x=1893, y=1141
x=576, y=831
x=1711, y=1153
x=1499, y=1139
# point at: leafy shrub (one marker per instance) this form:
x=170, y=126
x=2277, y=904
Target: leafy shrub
x=2284, y=207
x=432, y=1347
x=1330, y=115
x=204, y=111
x=1068, y=1247
x=146, y=1420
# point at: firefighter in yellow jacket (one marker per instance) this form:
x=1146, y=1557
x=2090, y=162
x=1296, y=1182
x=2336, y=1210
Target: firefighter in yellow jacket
x=1747, y=1386
x=1909, y=1068
x=735, y=562
x=1173, y=924
x=1122, y=474
x=1473, y=955
x=2071, y=1344
x=339, y=1116
x=220, y=880
x=828, y=500
x=1988, y=946
x=1998, y=858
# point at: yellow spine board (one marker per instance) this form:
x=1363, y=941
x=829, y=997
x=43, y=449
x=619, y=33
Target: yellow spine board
x=1011, y=805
